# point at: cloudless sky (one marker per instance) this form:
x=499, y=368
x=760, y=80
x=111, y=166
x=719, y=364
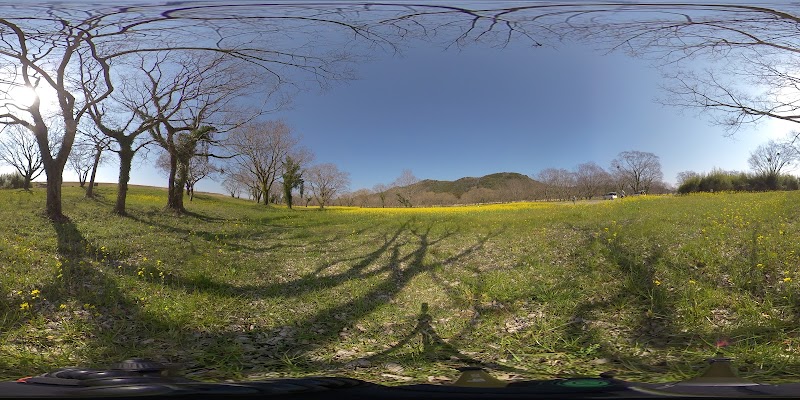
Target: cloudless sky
x=450, y=114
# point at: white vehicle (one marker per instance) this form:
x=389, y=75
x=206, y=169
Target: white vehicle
x=610, y=196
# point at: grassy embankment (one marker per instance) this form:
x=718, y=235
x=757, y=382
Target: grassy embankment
x=645, y=286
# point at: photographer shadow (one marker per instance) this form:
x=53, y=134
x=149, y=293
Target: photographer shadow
x=434, y=347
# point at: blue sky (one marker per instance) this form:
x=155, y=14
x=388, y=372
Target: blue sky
x=447, y=115
x=450, y=114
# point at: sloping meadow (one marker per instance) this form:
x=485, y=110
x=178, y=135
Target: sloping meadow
x=647, y=286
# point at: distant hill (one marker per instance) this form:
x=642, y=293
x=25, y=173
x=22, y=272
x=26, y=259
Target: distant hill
x=459, y=187
x=499, y=187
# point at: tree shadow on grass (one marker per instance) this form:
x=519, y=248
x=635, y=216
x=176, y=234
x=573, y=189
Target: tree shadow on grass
x=360, y=268
x=116, y=324
x=269, y=350
x=651, y=306
x=83, y=295
x=647, y=316
x=392, y=258
x=267, y=231
x=203, y=217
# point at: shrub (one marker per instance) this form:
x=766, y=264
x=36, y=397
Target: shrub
x=788, y=182
x=690, y=185
x=12, y=181
x=723, y=181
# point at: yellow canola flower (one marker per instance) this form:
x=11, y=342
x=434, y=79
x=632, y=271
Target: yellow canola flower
x=450, y=209
x=24, y=306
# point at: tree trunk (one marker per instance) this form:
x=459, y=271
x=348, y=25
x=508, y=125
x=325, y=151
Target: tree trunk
x=287, y=194
x=54, y=170
x=190, y=190
x=54, y=166
x=54, y=180
x=82, y=178
x=174, y=203
x=178, y=178
x=90, y=190
x=175, y=200
x=126, y=154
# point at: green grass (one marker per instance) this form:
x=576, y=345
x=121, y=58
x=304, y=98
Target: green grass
x=644, y=286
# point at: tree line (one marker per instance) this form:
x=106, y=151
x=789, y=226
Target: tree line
x=266, y=162
x=262, y=160
x=269, y=165
x=632, y=172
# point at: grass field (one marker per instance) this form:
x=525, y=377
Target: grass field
x=647, y=286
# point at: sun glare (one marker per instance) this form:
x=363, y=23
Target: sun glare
x=24, y=96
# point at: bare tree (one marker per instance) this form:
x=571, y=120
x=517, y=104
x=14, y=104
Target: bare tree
x=685, y=176
x=87, y=155
x=199, y=168
x=262, y=149
x=406, y=178
x=360, y=197
x=515, y=190
x=325, y=182
x=404, y=187
x=559, y=183
x=479, y=195
x=792, y=143
x=771, y=158
x=232, y=186
x=381, y=189
x=100, y=144
x=236, y=175
x=54, y=54
x=637, y=170
x=122, y=117
x=591, y=179
x=80, y=160
x=19, y=150
x=437, y=199
x=170, y=95
x=204, y=106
